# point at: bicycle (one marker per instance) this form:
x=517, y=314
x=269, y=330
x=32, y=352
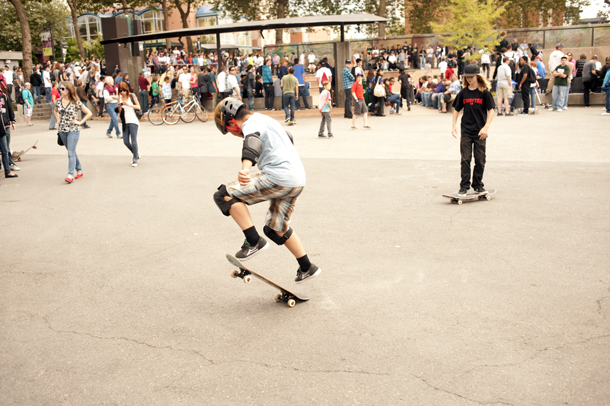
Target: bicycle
x=175, y=111
x=155, y=114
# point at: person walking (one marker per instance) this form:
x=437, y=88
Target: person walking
x=110, y=98
x=7, y=123
x=348, y=83
x=28, y=103
x=66, y=113
x=289, y=85
x=268, y=85
x=326, y=104
x=280, y=181
x=127, y=104
x=80, y=92
x=299, y=72
x=55, y=95
x=478, y=105
x=36, y=81
x=360, y=107
x=525, y=79
x=143, y=84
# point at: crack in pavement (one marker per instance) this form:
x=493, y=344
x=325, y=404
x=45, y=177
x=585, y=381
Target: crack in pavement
x=460, y=396
x=309, y=371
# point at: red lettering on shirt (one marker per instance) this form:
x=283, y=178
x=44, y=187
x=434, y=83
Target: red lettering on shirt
x=472, y=101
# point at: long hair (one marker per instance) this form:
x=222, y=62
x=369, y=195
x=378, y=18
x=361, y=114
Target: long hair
x=482, y=83
x=124, y=86
x=71, y=90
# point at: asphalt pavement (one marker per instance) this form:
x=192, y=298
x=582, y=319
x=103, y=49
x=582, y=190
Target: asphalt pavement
x=115, y=290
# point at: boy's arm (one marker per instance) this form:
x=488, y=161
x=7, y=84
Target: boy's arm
x=485, y=129
x=244, y=175
x=455, y=117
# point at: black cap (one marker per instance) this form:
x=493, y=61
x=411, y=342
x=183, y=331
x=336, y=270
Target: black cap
x=348, y=61
x=472, y=70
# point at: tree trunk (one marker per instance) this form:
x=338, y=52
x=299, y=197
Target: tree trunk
x=165, y=7
x=282, y=5
x=79, y=40
x=184, y=15
x=26, y=39
x=381, y=12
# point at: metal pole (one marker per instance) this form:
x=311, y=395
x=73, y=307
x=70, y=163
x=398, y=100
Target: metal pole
x=52, y=43
x=342, y=33
x=220, y=63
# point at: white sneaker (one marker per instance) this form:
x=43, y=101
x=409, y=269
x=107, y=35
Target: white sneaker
x=134, y=163
x=605, y=113
x=565, y=108
x=15, y=167
x=559, y=109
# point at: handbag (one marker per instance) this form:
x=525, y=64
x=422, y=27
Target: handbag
x=59, y=141
x=379, y=90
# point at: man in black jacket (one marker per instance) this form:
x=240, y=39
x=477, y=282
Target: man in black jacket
x=203, y=83
x=36, y=82
x=526, y=75
x=7, y=122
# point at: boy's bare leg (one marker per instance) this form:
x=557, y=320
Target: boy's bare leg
x=240, y=214
x=365, y=115
x=293, y=244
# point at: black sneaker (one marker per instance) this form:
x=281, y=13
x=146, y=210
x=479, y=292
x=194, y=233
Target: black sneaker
x=248, y=251
x=311, y=272
x=462, y=191
x=480, y=189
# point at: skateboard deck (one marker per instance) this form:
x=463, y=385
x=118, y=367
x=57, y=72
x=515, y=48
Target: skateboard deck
x=17, y=155
x=246, y=274
x=470, y=196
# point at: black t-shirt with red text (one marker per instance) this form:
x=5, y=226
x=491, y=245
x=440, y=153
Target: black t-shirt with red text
x=476, y=104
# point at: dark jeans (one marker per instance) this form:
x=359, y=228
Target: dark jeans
x=302, y=96
x=485, y=68
x=289, y=101
x=100, y=104
x=4, y=152
x=378, y=103
x=525, y=96
x=203, y=98
x=468, y=146
x=130, y=139
x=144, y=100
x=349, y=100
x=588, y=88
x=269, y=95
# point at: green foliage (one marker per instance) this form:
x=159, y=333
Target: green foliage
x=533, y=13
x=422, y=14
x=472, y=24
x=92, y=48
x=52, y=12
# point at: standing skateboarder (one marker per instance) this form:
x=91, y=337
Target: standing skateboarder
x=478, y=105
x=280, y=181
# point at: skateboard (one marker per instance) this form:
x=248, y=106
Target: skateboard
x=470, y=196
x=285, y=295
x=17, y=155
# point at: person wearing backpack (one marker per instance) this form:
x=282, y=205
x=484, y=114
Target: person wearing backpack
x=525, y=79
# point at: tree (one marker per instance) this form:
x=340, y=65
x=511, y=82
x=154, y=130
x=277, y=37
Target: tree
x=536, y=13
x=184, y=16
x=14, y=30
x=76, y=8
x=393, y=10
x=471, y=24
x=419, y=15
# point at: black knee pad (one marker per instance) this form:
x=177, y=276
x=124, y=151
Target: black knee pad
x=219, y=199
x=269, y=232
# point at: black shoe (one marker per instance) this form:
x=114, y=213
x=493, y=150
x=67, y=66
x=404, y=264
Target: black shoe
x=311, y=272
x=321, y=136
x=480, y=189
x=248, y=252
x=463, y=191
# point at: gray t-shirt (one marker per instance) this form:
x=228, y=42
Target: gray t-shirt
x=587, y=74
x=279, y=159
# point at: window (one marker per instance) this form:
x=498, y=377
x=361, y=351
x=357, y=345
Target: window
x=152, y=21
x=206, y=21
x=88, y=26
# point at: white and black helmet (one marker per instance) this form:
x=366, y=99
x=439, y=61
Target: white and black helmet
x=225, y=111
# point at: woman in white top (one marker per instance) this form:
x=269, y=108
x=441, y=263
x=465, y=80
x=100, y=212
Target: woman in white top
x=127, y=105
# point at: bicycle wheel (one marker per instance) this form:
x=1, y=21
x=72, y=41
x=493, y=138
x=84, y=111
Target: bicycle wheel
x=171, y=114
x=154, y=115
x=188, y=116
x=202, y=114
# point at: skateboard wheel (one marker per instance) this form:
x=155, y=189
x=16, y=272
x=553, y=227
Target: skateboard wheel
x=487, y=197
x=291, y=302
x=234, y=274
x=278, y=297
x=459, y=202
x=247, y=279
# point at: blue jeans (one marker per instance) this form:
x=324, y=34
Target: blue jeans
x=4, y=151
x=47, y=92
x=114, y=119
x=289, y=101
x=53, y=119
x=36, y=93
x=144, y=100
x=565, y=104
x=559, y=95
x=608, y=101
x=396, y=99
x=130, y=139
x=533, y=97
x=302, y=96
x=70, y=139
x=437, y=100
x=425, y=98
x=250, y=98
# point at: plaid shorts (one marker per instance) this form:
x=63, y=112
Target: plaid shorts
x=281, y=199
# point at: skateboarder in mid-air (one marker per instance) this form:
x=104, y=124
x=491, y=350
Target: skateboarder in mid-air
x=280, y=181
x=478, y=105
